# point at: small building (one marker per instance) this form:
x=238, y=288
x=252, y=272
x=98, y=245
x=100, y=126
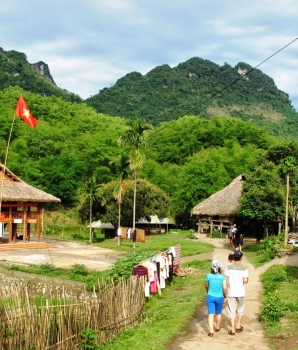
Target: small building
x=218, y=212
x=21, y=203
x=107, y=228
x=155, y=224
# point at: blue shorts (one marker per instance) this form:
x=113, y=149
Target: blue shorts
x=214, y=304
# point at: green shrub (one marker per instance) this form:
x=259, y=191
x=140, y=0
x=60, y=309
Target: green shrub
x=124, y=265
x=273, y=307
x=216, y=234
x=78, y=272
x=88, y=339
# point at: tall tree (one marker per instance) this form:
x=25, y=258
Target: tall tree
x=287, y=166
x=90, y=193
x=121, y=164
x=135, y=138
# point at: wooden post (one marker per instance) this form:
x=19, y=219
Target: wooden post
x=10, y=226
x=28, y=226
x=14, y=232
x=38, y=223
x=24, y=224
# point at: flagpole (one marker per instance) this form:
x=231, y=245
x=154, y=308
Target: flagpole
x=4, y=165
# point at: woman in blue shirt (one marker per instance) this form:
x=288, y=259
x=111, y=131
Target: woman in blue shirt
x=216, y=287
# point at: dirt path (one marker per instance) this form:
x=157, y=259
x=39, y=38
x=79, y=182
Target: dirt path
x=252, y=338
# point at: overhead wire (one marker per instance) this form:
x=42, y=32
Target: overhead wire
x=223, y=89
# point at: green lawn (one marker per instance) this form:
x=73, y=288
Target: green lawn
x=160, y=243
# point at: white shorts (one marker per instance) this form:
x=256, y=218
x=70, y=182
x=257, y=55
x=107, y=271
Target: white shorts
x=235, y=307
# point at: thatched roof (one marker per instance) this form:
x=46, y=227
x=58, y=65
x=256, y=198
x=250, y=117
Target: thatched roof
x=224, y=202
x=13, y=189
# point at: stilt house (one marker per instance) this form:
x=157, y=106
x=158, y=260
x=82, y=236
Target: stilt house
x=220, y=209
x=20, y=203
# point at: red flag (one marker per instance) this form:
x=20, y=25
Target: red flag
x=23, y=112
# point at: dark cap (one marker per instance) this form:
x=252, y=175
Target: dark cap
x=238, y=255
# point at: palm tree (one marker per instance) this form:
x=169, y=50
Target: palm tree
x=135, y=138
x=121, y=164
x=90, y=193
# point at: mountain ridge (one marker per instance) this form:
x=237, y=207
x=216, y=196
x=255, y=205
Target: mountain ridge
x=203, y=88
x=195, y=87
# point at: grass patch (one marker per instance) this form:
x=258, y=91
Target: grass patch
x=160, y=243
x=280, y=309
x=254, y=253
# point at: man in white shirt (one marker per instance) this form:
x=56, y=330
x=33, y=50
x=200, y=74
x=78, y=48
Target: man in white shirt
x=237, y=277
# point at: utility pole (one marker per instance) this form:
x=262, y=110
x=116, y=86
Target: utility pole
x=287, y=209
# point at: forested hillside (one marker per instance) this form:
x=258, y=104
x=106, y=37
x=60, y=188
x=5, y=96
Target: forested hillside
x=196, y=87
x=198, y=145
x=188, y=159
x=15, y=70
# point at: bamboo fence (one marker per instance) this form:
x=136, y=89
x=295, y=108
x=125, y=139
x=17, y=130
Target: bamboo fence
x=48, y=317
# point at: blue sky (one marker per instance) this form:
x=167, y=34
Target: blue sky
x=90, y=44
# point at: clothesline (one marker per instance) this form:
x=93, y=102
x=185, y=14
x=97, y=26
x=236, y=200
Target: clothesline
x=158, y=269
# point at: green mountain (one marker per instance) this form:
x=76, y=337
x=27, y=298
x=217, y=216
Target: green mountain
x=203, y=88
x=196, y=87
x=15, y=70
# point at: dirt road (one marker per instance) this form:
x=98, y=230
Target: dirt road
x=194, y=336
x=64, y=255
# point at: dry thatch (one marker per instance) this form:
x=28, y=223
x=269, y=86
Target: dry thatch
x=13, y=189
x=224, y=202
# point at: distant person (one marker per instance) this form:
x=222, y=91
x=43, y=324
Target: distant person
x=216, y=287
x=231, y=236
x=241, y=243
x=237, y=277
x=234, y=233
x=236, y=237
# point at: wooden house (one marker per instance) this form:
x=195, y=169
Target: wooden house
x=218, y=212
x=20, y=203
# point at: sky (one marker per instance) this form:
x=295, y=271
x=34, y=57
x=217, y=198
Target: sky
x=90, y=44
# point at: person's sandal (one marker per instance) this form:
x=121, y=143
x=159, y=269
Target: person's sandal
x=239, y=330
x=217, y=329
x=210, y=334
x=231, y=333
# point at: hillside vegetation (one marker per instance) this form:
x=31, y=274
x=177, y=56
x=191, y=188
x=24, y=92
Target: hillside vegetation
x=197, y=87
x=15, y=70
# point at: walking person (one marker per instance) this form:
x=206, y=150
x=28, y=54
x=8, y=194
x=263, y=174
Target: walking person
x=216, y=287
x=231, y=236
x=237, y=277
x=241, y=243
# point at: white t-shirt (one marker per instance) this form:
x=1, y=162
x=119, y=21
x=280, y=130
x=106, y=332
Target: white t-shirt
x=236, y=273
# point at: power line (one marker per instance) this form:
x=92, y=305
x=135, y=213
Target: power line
x=225, y=88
